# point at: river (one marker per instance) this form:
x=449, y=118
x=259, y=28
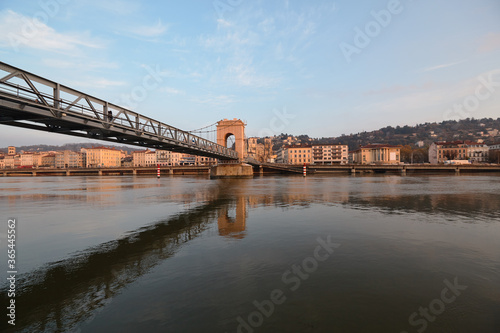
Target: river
x=335, y=253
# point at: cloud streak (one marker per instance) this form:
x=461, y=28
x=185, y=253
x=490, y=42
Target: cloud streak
x=19, y=31
x=433, y=68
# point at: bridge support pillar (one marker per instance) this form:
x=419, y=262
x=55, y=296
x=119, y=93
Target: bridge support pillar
x=134, y=171
x=171, y=171
x=457, y=171
x=67, y=173
x=100, y=172
x=261, y=169
x=33, y=174
x=403, y=171
x=240, y=170
x=353, y=171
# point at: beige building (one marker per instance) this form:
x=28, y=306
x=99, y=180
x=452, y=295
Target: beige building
x=258, y=151
x=49, y=160
x=27, y=159
x=377, y=153
x=477, y=152
x=295, y=154
x=102, y=157
x=68, y=159
x=168, y=158
x=144, y=158
x=330, y=154
x=440, y=152
x=11, y=150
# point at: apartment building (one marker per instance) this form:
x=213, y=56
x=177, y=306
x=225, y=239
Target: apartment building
x=68, y=159
x=439, y=152
x=102, y=157
x=377, y=153
x=295, y=154
x=329, y=154
x=144, y=158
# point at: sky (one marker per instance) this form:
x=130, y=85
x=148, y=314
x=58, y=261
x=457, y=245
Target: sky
x=321, y=68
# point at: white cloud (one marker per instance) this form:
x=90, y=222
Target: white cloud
x=81, y=65
x=155, y=30
x=172, y=91
x=245, y=75
x=428, y=69
x=96, y=83
x=19, y=31
x=215, y=100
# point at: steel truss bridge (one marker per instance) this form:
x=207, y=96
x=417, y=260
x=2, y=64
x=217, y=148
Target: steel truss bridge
x=31, y=101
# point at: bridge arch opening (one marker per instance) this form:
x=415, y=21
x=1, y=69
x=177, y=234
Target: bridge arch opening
x=230, y=141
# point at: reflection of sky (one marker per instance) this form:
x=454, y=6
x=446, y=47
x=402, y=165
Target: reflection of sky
x=388, y=227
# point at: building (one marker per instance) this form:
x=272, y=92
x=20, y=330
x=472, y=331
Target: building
x=168, y=158
x=440, y=152
x=144, y=158
x=477, y=152
x=329, y=154
x=68, y=159
x=11, y=150
x=102, y=157
x=377, y=153
x=202, y=160
x=27, y=159
x=49, y=160
x=295, y=154
x=252, y=147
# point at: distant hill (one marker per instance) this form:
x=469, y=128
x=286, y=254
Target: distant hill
x=486, y=129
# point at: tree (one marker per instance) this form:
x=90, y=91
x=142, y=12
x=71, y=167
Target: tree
x=405, y=152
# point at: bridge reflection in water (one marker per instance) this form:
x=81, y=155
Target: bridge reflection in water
x=63, y=294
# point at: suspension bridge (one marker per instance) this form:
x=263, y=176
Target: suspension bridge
x=34, y=102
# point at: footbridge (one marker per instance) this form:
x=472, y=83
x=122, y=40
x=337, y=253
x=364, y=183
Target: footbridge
x=31, y=101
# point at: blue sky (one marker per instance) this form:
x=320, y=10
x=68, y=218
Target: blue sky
x=321, y=68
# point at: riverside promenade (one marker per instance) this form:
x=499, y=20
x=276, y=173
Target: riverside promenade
x=265, y=168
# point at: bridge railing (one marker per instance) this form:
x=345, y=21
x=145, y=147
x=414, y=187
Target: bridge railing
x=28, y=87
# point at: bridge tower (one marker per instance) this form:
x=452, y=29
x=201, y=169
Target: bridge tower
x=236, y=127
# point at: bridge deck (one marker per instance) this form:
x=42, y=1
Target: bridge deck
x=30, y=101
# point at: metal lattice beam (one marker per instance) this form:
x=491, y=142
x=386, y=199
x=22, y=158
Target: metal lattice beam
x=22, y=104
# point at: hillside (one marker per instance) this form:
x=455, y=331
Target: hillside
x=486, y=129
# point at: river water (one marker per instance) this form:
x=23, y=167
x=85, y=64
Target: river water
x=375, y=253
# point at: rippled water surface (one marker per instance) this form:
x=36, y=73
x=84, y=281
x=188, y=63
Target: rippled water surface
x=273, y=254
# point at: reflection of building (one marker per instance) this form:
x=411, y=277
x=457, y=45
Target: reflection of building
x=232, y=222
x=329, y=154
